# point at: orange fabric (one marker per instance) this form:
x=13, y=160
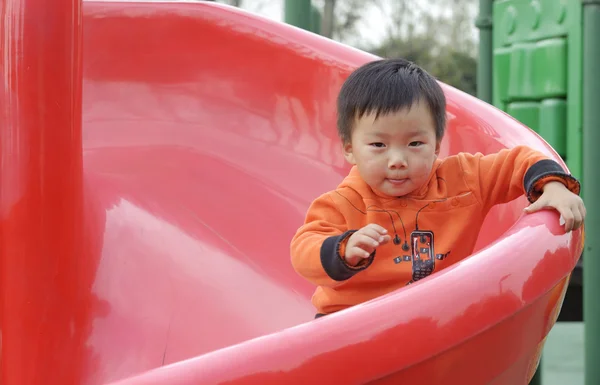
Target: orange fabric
x=460, y=191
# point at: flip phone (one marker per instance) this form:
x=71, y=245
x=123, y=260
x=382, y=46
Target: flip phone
x=423, y=255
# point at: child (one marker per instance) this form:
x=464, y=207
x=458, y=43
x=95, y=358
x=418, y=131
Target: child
x=375, y=232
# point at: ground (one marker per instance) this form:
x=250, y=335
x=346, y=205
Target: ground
x=562, y=360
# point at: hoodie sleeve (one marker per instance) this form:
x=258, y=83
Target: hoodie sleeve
x=317, y=248
x=504, y=176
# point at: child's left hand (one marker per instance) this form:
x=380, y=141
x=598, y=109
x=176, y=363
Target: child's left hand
x=557, y=196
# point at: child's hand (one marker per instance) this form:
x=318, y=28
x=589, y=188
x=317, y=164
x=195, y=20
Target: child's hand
x=569, y=205
x=363, y=242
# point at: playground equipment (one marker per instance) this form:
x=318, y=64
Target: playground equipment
x=152, y=176
x=545, y=55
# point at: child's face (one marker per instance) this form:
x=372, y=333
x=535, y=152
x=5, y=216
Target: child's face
x=395, y=153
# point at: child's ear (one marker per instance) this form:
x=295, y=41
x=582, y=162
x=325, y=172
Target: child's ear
x=348, y=154
x=438, y=145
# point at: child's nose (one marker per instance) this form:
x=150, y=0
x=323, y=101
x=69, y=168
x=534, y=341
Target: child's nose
x=397, y=160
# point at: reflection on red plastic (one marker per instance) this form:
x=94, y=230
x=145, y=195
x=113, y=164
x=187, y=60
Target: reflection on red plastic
x=162, y=254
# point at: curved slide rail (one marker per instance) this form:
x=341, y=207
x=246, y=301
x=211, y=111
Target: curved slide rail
x=207, y=131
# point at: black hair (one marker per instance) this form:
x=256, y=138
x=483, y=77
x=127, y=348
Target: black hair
x=385, y=86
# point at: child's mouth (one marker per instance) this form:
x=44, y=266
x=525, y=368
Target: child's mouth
x=397, y=181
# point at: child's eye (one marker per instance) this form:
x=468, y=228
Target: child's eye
x=415, y=143
x=377, y=144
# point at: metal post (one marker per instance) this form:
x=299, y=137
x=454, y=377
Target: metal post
x=591, y=177
x=42, y=306
x=484, y=67
x=297, y=12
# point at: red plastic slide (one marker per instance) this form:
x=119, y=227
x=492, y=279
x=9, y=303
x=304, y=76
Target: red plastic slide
x=206, y=133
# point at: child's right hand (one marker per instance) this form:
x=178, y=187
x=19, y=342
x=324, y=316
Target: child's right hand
x=363, y=242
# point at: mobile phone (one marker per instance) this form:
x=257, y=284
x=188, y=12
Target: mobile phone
x=423, y=255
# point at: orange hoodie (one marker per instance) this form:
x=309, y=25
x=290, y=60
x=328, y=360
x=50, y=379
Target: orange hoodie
x=436, y=226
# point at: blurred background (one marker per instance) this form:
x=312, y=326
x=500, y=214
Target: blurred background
x=440, y=35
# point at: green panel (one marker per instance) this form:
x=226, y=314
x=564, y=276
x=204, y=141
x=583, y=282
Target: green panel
x=531, y=20
x=540, y=42
x=535, y=70
x=527, y=113
x=574, y=92
x=521, y=72
x=501, y=75
x=553, y=124
x=550, y=68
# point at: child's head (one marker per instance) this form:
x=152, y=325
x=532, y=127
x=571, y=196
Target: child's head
x=391, y=119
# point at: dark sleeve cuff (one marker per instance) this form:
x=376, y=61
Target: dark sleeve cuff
x=545, y=171
x=334, y=264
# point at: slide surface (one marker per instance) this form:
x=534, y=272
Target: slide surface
x=207, y=131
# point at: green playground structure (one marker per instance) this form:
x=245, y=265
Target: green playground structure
x=539, y=61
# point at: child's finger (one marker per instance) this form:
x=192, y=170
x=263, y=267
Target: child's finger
x=576, y=215
x=386, y=239
x=536, y=206
x=365, y=242
x=377, y=228
x=357, y=252
x=582, y=209
x=568, y=217
x=373, y=233
x=577, y=218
